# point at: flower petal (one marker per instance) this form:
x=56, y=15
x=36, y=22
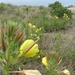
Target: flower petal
x=44, y=61
x=32, y=52
x=26, y=44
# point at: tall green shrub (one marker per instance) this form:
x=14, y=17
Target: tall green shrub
x=58, y=9
x=1, y=5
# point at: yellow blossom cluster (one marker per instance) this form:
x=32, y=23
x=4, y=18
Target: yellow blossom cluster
x=56, y=17
x=34, y=31
x=31, y=25
x=66, y=16
x=38, y=29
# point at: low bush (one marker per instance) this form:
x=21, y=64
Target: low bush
x=56, y=23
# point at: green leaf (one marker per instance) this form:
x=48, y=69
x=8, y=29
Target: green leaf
x=5, y=71
x=13, y=61
x=6, y=54
x=1, y=61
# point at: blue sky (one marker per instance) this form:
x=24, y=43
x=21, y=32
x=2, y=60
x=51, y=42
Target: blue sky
x=38, y=2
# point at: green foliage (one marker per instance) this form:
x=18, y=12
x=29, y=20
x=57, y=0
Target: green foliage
x=27, y=8
x=56, y=23
x=55, y=5
x=53, y=64
x=11, y=38
x=10, y=41
x=59, y=10
x=1, y=5
x=32, y=32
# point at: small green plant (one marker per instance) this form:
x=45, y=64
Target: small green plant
x=55, y=5
x=52, y=61
x=13, y=50
x=32, y=32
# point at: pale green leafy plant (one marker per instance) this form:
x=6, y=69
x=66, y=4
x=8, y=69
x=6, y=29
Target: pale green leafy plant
x=13, y=50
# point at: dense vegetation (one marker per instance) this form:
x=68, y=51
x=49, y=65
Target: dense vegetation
x=21, y=27
x=52, y=18
x=59, y=10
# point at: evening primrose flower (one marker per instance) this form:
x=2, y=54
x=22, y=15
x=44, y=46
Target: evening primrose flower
x=38, y=56
x=56, y=17
x=38, y=37
x=40, y=28
x=44, y=61
x=66, y=72
x=29, y=48
x=66, y=16
x=33, y=26
x=37, y=30
x=30, y=25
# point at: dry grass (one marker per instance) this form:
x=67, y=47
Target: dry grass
x=66, y=45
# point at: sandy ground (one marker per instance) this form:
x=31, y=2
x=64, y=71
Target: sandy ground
x=72, y=8
x=73, y=11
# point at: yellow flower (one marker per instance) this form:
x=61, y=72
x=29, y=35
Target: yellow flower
x=30, y=24
x=56, y=17
x=10, y=58
x=34, y=26
x=32, y=50
x=68, y=18
x=40, y=28
x=31, y=35
x=44, y=61
x=66, y=72
x=38, y=56
x=38, y=37
x=37, y=30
